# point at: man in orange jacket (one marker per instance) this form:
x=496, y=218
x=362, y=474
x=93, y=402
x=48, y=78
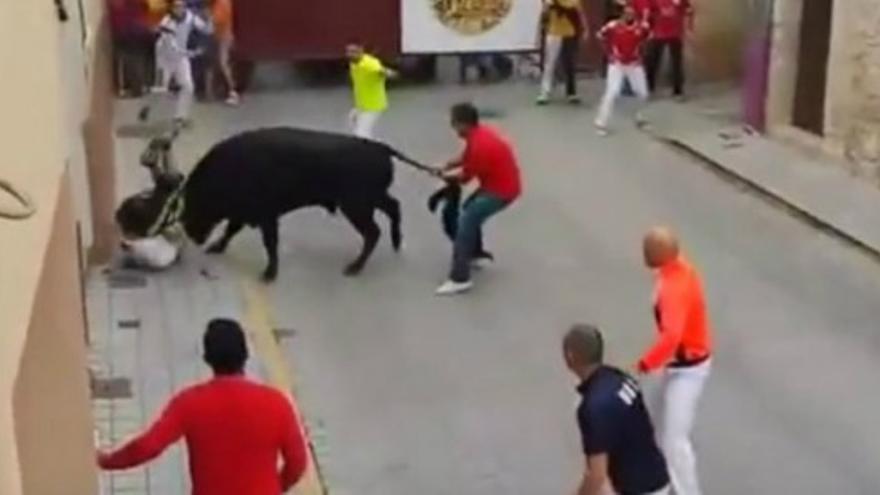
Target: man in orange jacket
x=682, y=351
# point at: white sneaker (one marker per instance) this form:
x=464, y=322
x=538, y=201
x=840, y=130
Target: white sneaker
x=233, y=99
x=602, y=130
x=480, y=263
x=542, y=100
x=451, y=288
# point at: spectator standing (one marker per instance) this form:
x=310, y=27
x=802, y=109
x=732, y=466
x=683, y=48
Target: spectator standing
x=235, y=429
x=682, y=351
x=669, y=20
x=623, y=39
x=173, y=58
x=132, y=45
x=368, y=78
x=565, y=25
x=222, y=15
x=490, y=159
x=616, y=433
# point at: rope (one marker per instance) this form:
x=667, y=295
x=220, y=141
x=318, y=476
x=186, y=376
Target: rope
x=27, y=205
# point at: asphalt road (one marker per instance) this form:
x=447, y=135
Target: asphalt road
x=410, y=394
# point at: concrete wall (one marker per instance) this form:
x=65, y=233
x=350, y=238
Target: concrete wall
x=42, y=95
x=852, y=103
x=51, y=406
x=853, y=98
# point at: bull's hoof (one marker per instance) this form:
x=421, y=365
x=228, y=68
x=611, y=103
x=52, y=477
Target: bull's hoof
x=269, y=275
x=396, y=242
x=353, y=269
x=216, y=248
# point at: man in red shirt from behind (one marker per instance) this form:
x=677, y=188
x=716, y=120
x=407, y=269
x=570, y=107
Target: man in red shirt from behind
x=489, y=159
x=235, y=429
x=623, y=39
x=669, y=20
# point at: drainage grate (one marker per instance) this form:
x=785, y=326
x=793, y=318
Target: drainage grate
x=126, y=280
x=492, y=113
x=283, y=333
x=130, y=324
x=111, y=388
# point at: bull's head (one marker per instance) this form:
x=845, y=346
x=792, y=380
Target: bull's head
x=197, y=222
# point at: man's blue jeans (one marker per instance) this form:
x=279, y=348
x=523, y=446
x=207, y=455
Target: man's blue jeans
x=470, y=232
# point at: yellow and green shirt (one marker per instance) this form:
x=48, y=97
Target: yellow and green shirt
x=368, y=83
x=559, y=24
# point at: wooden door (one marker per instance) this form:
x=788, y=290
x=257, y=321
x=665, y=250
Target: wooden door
x=812, y=75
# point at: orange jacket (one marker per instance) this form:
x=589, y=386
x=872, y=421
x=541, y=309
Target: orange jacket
x=682, y=322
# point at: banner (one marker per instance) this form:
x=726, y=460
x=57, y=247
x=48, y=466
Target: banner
x=461, y=26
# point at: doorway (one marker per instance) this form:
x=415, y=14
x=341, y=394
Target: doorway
x=812, y=74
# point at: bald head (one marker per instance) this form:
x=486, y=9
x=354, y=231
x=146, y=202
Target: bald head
x=660, y=247
x=583, y=347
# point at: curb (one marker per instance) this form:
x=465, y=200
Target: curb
x=769, y=194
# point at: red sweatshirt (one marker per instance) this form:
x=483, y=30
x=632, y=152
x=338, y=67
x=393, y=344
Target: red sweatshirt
x=235, y=432
x=490, y=158
x=670, y=17
x=682, y=321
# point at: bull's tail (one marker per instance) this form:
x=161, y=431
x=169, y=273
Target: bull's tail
x=400, y=156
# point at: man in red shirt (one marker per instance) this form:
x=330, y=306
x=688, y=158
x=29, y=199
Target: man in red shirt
x=668, y=21
x=235, y=429
x=623, y=39
x=683, y=351
x=490, y=159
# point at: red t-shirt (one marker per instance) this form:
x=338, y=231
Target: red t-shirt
x=490, y=158
x=669, y=17
x=623, y=42
x=235, y=432
x=642, y=8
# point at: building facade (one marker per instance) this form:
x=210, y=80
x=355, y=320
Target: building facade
x=824, y=84
x=58, y=147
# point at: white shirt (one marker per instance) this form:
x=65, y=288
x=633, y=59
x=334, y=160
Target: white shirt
x=171, y=46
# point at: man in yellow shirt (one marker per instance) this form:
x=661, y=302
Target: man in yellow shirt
x=564, y=26
x=368, y=77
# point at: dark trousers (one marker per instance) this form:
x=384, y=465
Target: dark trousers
x=655, y=56
x=133, y=62
x=568, y=64
x=469, y=236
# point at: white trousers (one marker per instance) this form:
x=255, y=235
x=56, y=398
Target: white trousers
x=181, y=72
x=617, y=73
x=677, y=408
x=363, y=124
x=156, y=253
x=552, y=50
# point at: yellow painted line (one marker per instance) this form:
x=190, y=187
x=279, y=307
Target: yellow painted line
x=259, y=319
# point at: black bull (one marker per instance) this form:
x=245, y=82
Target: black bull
x=255, y=177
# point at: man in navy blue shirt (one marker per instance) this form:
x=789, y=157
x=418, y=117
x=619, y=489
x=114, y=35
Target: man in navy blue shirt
x=616, y=431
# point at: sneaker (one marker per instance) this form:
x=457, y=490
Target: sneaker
x=641, y=121
x=574, y=100
x=451, y=288
x=480, y=263
x=681, y=98
x=542, y=100
x=601, y=130
x=181, y=123
x=233, y=99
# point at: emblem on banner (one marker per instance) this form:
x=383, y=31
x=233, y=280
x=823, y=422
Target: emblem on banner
x=471, y=17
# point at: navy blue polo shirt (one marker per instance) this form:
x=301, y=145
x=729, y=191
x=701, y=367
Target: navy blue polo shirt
x=613, y=420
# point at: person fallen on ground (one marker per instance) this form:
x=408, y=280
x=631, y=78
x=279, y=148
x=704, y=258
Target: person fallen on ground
x=236, y=430
x=670, y=19
x=623, y=39
x=173, y=59
x=564, y=26
x=490, y=159
x=450, y=196
x=617, y=436
x=682, y=352
x=368, y=78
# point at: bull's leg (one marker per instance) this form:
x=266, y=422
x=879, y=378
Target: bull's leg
x=269, y=229
x=391, y=208
x=361, y=217
x=232, y=228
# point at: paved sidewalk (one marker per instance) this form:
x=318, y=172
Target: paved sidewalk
x=816, y=187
